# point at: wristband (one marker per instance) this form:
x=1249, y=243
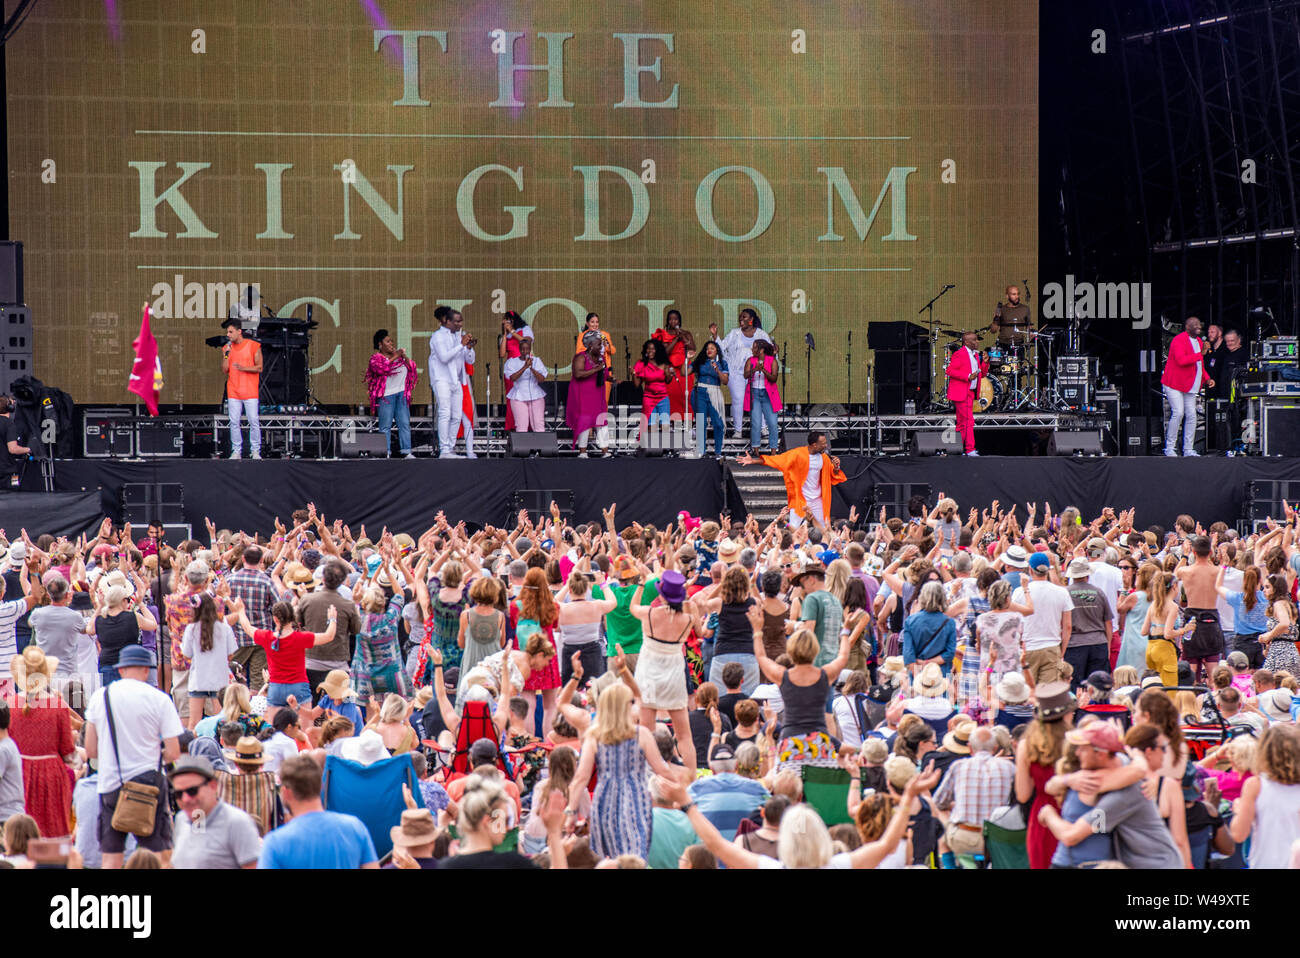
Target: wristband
x=687, y=807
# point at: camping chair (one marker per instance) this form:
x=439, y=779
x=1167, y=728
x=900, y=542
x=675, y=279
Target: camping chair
x=1202, y=736
x=1004, y=848
x=827, y=791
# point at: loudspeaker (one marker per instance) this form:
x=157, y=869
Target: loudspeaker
x=894, y=334
x=933, y=443
x=1264, y=498
x=900, y=376
x=532, y=444
x=793, y=438
x=16, y=330
x=355, y=444
x=146, y=502
x=538, y=503
x=1136, y=433
x=1077, y=395
x=1280, y=428
x=1084, y=442
x=285, y=375
x=11, y=274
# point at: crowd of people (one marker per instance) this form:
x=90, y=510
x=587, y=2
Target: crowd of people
x=940, y=689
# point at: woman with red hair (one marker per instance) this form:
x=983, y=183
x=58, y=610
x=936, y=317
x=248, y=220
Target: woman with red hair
x=536, y=611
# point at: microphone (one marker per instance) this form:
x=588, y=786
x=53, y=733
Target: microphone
x=808, y=340
x=951, y=286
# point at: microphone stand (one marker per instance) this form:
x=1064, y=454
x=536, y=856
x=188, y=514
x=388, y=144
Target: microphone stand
x=848, y=364
x=933, y=337
x=785, y=348
x=487, y=379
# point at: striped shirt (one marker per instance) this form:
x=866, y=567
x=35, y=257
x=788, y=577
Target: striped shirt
x=10, y=613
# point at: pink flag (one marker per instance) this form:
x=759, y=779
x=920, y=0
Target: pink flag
x=146, y=371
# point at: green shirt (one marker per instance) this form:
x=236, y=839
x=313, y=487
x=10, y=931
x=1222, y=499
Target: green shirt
x=672, y=834
x=621, y=626
x=827, y=615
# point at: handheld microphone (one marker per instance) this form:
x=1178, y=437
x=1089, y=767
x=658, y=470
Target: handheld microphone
x=808, y=339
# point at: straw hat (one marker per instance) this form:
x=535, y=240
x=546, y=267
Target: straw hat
x=247, y=751
x=957, y=740
x=337, y=685
x=423, y=697
x=417, y=828
x=891, y=673
x=33, y=670
x=1012, y=689
x=931, y=683
x=728, y=550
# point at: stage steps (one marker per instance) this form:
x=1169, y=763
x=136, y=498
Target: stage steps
x=763, y=491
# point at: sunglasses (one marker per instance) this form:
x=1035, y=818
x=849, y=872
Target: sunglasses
x=191, y=792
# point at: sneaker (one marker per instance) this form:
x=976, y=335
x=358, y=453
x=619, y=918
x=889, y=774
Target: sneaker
x=235, y=455
x=256, y=455
x=607, y=454
x=471, y=454
x=1192, y=452
x=972, y=453
x=449, y=455
x=409, y=455
x=1170, y=452
x=583, y=455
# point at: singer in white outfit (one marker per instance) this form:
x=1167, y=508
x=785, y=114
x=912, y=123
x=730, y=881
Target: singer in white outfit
x=449, y=350
x=736, y=349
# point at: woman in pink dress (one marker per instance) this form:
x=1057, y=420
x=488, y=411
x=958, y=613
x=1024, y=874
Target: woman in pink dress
x=653, y=374
x=586, y=409
x=40, y=723
x=536, y=611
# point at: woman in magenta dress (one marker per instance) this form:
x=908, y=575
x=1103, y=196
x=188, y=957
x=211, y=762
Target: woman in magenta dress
x=653, y=374
x=536, y=611
x=586, y=409
x=41, y=726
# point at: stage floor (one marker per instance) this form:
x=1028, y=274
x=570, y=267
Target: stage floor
x=405, y=494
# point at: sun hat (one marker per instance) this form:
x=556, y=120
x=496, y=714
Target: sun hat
x=810, y=567
x=728, y=550
x=136, y=656
x=1276, y=704
x=931, y=683
x=672, y=587
x=403, y=542
x=33, y=670
x=957, y=739
x=766, y=692
x=1100, y=735
x=893, y=667
x=1054, y=701
x=366, y=748
x=1015, y=558
x=1040, y=560
x=1012, y=689
x=337, y=685
x=625, y=568
x=686, y=554
x=417, y=828
x=1077, y=569
x=247, y=751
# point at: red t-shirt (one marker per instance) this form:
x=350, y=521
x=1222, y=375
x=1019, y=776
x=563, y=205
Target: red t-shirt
x=288, y=663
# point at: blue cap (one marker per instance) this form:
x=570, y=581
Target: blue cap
x=828, y=556
x=1039, y=560
x=373, y=563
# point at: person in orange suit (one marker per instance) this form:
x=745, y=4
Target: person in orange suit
x=809, y=473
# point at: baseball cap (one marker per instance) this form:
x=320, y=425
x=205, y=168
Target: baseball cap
x=1039, y=560
x=1101, y=735
x=193, y=765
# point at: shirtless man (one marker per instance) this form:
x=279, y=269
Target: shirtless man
x=1199, y=581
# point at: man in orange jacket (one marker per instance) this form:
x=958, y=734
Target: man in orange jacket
x=809, y=473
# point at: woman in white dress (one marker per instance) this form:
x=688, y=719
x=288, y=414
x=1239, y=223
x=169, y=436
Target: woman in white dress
x=661, y=667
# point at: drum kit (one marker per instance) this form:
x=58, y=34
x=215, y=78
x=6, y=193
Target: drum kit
x=1015, y=381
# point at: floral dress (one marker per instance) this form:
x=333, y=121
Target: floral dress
x=1282, y=655
x=446, y=623
x=621, y=811
x=43, y=734
x=377, y=661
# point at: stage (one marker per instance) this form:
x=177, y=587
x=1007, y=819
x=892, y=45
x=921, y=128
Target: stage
x=405, y=494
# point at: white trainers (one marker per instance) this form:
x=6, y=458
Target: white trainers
x=1192, y=452
x=972, y=453
x=449, y=455
x=409, y=455
x=256, y=455
x=235, y=455
x=1171, y=453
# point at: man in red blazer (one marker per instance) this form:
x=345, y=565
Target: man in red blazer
x=1183, y=378
x=966, y=370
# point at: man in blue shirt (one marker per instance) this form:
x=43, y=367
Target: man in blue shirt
x=724, y=797
x=314, y=838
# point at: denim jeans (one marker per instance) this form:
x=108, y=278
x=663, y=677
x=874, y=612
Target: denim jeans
x=705, y=413
x=278, y=693
x=1182, y=409
x=248, y=407
x=761, y=411
x=746, y=659
x=395, y=407
x=661, y=413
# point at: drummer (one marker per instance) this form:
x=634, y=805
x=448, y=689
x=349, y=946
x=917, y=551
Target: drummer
x=1011, y=320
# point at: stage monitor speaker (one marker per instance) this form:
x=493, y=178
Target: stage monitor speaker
x=936, y=443
x=1083, y=442
x=793, y=438
x=1280, y=430
x=537, y=502
x=1136, y=433
x=356, y=444
x=894, y=496
x=894, y=334
x=11, y=274
x=532, y=444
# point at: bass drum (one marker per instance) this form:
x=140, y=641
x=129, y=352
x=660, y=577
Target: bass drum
x=993, y=394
